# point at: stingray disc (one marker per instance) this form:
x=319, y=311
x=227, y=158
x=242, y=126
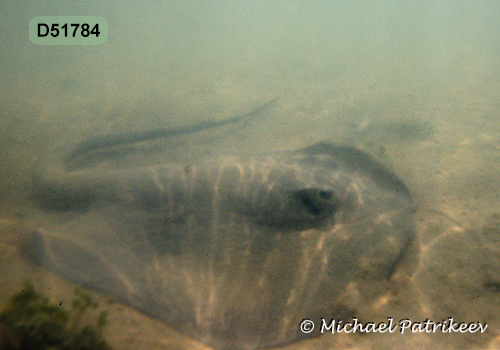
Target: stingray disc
x=235, y=251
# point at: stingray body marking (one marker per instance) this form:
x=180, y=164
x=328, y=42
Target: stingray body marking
x=234, y=251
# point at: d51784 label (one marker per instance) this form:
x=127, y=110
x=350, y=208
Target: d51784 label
x=68, y=30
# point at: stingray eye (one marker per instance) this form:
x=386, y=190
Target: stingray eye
x=317, y=202
x=312, y=207
x=310, y=202
x=326, y=194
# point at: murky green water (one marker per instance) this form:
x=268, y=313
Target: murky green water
x=415, y=83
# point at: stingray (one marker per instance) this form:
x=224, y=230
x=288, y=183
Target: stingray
x=234, y=251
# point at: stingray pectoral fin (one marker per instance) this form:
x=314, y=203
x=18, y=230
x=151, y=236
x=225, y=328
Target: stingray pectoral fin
x=73, y=261
x=97, y=248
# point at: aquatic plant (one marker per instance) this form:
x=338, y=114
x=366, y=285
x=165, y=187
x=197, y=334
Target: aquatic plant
x=30, y=322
